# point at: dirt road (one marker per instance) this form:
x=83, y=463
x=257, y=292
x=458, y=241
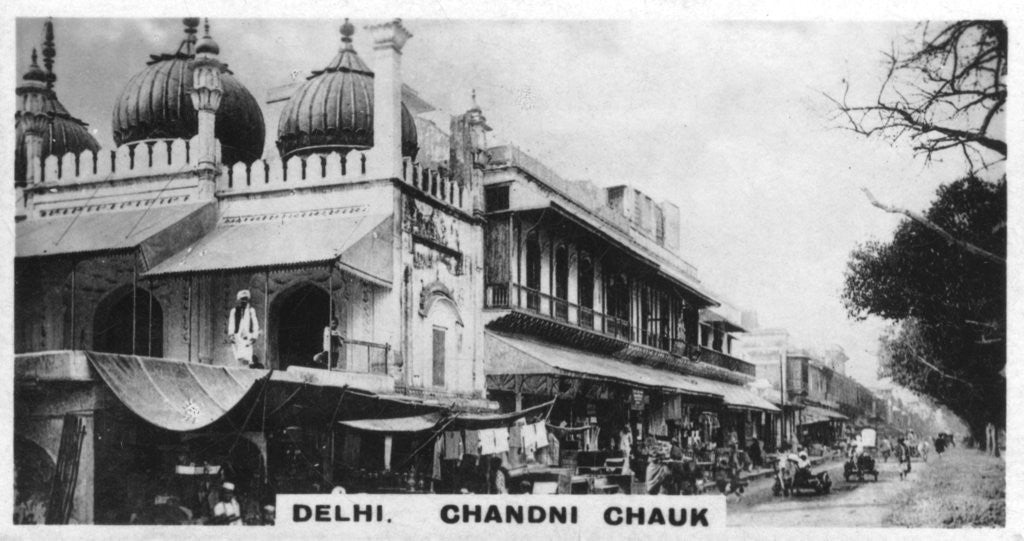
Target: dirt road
x=853, y=504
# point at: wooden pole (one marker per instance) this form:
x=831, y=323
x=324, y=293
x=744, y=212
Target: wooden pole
x=189, y=341
x=135, y=301
x=266, y=321
x=149, y=319
x=74, y=333
x=330, y=313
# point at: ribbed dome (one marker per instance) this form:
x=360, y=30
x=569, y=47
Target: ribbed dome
x=156, y=104
x=333, y=109
x=65, y=132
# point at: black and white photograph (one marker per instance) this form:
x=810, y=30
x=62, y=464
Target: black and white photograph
x=488, y=261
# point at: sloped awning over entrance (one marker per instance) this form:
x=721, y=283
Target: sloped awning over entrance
x=814, y=414
x=516, y=355
x=159, y=231
x=174, y=395
x=739, y=397
x=415, y=423
x=357, y=240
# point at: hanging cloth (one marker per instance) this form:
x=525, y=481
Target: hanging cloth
x=452, y=445
x=472, y=442
x=487, y=441
x=438, y=452
x=541, y=435
x=500, y=440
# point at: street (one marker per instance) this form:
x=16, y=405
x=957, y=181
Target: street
x=853, y=504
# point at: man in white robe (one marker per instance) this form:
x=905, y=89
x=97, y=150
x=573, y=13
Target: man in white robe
x=243, y=328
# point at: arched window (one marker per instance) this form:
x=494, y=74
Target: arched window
x=618, y=306
x=128, y=323
x=533, y=271
x=585, y=291
x=297, y=320
x=561, y=282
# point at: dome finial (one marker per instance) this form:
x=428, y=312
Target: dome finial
x=347, y=30
x=35, y=73
x=49, y=52
x=207, y=45
x=188, y=44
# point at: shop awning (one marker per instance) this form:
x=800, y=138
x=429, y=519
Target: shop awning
x=524, y=356
x=478, y=421
x=415, y=423
x=814, y=414
x=736, y=396
x=358, y=241
x=158, y=231
x=174, y=395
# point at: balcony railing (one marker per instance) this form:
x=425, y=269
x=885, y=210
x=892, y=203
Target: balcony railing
x=726, y=361
x=511, y=295
x=364, y=357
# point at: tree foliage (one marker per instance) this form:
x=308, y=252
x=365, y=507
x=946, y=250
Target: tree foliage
x=947, y=93
x=949, y=303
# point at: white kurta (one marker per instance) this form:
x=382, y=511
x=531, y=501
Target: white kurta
x=229, y=509
x=243, y=337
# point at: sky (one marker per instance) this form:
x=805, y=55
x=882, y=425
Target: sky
x=727, y=120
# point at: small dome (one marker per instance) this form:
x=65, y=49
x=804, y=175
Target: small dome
x=65, y=132
x=333, y=109
x=206, y=44
x=156, y=104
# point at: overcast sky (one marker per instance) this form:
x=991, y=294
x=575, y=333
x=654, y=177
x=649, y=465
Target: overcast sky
x=724, y=119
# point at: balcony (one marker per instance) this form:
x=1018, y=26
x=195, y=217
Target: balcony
x=511, y=295
x=362, y=357
x=726, y=361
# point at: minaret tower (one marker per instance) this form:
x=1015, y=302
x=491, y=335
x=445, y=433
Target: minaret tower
x=206, y=95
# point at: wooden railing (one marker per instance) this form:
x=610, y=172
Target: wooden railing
x=364, y=357
x=512, y=295
x=726, y=361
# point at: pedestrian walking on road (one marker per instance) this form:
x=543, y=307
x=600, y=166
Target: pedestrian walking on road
x=903, y=455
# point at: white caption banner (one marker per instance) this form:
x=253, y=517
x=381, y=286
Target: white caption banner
x=397, y=515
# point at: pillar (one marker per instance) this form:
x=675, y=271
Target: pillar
x=388, y=40
x=206, y=95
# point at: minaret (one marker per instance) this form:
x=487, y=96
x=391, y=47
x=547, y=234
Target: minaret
x=206, y=95
x=36, y=122
x=49, y=52
x=388, y=40
x=479, y=128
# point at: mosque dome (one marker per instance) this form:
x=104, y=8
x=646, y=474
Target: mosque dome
x=35, y=96
x=156, y=104
x=333, y=109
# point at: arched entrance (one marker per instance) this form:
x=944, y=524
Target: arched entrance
x=298, y=318
x=114, y=329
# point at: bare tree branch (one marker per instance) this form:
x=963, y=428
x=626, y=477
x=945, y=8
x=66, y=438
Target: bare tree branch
x=967, y=246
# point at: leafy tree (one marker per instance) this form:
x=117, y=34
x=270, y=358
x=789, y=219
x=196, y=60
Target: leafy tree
x=949, y=303
x=948, y=92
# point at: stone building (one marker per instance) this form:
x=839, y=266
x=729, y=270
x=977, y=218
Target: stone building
x=129, y=259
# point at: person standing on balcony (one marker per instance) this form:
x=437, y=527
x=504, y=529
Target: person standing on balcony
x=243, y=329
x=333, y=354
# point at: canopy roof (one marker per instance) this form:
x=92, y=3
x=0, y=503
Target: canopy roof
x=158, y=230
x=415, y=423
x=174, y=395
x=356, y=239
x=814, y=414
x=508, y=354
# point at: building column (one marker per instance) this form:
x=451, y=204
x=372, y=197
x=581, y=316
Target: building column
x=207, y=91
x=388, y=40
